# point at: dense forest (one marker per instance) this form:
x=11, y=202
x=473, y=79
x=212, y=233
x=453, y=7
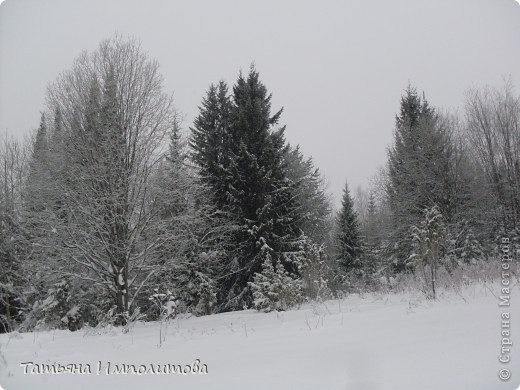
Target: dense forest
x=114, y=212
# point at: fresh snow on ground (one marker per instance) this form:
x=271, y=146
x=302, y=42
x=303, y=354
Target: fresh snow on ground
x=394, y=341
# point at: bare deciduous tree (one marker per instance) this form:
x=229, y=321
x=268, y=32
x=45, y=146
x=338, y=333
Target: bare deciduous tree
x=13, y=171
x=115, y=115
x=493, y=128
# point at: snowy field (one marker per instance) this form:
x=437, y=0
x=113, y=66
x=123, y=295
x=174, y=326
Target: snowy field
x=396, y=341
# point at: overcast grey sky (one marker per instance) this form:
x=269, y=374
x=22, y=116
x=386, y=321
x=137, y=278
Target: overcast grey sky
x=337, y=67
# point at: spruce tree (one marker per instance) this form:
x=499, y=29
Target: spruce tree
x=40, y=150
x=312, y=202
x=371, y=228
x=190, y=234
x=57, y=168
x=429, y=238
x=273, y=288
x=39, y=206
x=242, y=157
x=420, y=168
x=348, y=235
x=39, y=175
x=210, y=141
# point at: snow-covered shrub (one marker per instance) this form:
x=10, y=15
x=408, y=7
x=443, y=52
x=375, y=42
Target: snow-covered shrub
x=314, y=272
x=73, y=319
x=194, y=291
x=205, y=294
x=165, y=304
x=109, y=318
x=131, y=318
x=273, y=288
x=57, y=310
x=10, y=304
x=55, y=307
x=463, y=245
x=428, y=239
x=68, y=304
x=194, y=288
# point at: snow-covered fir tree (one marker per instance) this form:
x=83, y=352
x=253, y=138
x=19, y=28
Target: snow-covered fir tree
x=210, y=141
x=192, y=235
x=429, y=240
x=273, y=288
x=420, y=169
x=315, y=271
x=348, y=238
x=241, y=156
x=312, y=201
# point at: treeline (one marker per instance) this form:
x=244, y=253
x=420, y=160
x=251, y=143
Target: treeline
x=450, y=189
x=111, y=214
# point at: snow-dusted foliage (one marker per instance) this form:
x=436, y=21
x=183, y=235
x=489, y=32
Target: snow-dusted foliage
x=58, y=310
x=14, y=159
x=348, y=237
x=111, y=118
x=428, y=239
x=315, y=272
x=70, y=304
x=165, y=304
x=423, y=170
x=244, y=159
x=108, y=205
x=492, y=129
x=463, y=244
x=190, y=286
x=312, y=201
x=273, y=288
x=192, y=235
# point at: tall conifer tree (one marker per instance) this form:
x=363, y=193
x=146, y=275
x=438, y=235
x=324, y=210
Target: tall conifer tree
x=348, y=234
x=241, y=155
x=420, y=171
